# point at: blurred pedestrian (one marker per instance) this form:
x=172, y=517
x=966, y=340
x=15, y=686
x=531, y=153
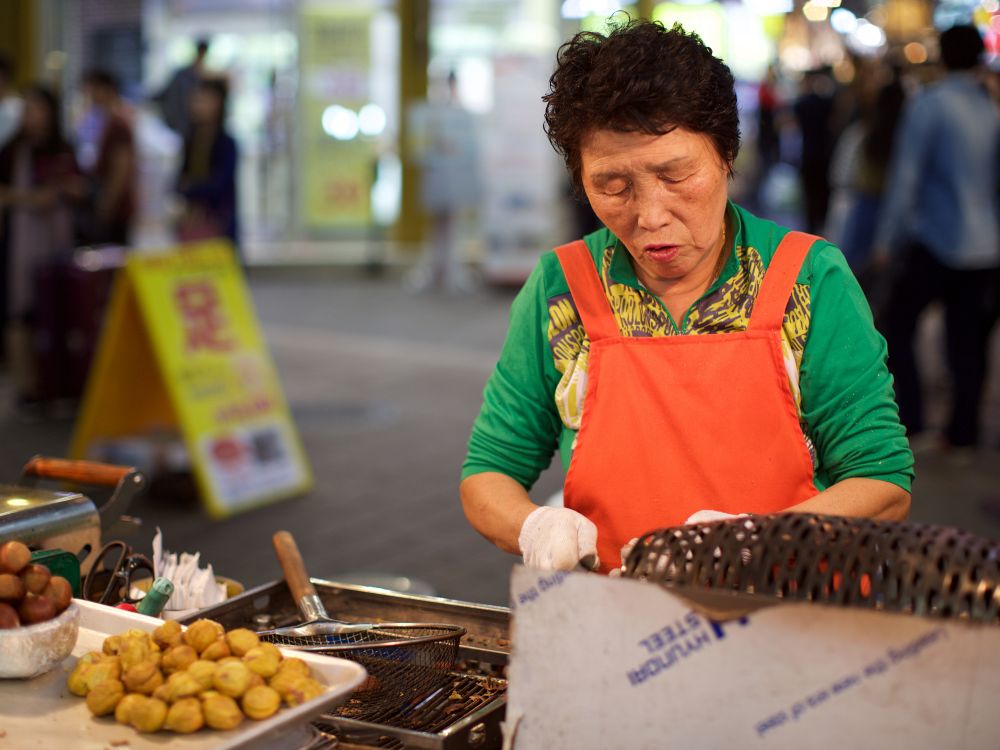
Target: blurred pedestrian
x=39, y=183
x=814, y=110
x=11, y=104
x=175, y=98
x=207, y=180
x=939, y=233
x=444, y=142
x=867, y=170
x=769, y=108
x=113, y=174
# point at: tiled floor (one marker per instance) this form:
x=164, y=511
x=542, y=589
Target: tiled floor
x=384, y=387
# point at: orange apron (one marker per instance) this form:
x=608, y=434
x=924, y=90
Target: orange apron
x=676, y=424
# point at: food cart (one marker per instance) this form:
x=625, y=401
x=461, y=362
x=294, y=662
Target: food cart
x=782, y=631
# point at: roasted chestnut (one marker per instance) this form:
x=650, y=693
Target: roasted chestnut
x=13, y=557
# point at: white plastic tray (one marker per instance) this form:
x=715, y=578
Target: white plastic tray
x=42, y=713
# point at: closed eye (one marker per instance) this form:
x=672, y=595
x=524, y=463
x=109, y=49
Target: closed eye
x=673, y=180
x=617, y=189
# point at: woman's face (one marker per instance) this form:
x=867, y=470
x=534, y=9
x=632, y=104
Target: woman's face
x=663, y=196
x=205, y=107
x=37, y=119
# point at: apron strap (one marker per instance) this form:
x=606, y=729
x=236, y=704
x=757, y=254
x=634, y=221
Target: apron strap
x=776, y=288
x=587, y=291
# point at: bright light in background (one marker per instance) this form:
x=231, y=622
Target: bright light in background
x=814, y=12
x=869, y=35
x=843, y=21
x=475, y=84
x=827, y=3
x=387, y=190
x=991, y=6
x=752, y=49
x=584, y=8
x=708, y=20
x=223, y=51
x=285, y=45
x=18, y=502
x=340, y=123
x=371, y=119
x=796, y=57
x=770, y=7
x=915, y=53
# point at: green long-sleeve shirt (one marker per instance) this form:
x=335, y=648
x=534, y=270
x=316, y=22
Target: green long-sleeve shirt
x=834, y=358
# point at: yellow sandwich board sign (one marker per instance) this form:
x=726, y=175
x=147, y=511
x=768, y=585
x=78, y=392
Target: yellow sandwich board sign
x=181, y=348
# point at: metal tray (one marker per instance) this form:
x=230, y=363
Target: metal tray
x=483, y=654
x=43, y=713
x=487, y=627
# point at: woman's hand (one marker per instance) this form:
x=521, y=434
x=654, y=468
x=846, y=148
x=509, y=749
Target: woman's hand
x=557, y=539
x=499, y=508
x=709, y=516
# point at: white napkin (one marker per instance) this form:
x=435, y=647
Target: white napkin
x=194, y=587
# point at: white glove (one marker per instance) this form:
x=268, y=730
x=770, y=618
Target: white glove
x=707, y=516
x=556, y=539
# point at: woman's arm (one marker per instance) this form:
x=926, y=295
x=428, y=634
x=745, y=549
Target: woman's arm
x=848, y=404
x=859, y=497
x=496, y=506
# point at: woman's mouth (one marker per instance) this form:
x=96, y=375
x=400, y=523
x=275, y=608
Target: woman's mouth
x=661, y=253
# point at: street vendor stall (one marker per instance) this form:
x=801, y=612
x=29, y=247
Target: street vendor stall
x=784, y=631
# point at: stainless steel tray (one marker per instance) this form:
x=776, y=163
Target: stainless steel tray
x=483, y=654
x=487, y=627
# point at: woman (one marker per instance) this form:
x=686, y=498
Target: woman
x=39, y=183
x=687, y=368
x=870, y=170
x=207, y=180
x=113, y=175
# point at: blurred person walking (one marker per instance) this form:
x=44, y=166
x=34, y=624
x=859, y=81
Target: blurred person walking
x=444, y=137
x=814, y=109
x=113, y=174
x=939, y=234
x=207, y=179
x=860, y=165
x=769, y=115
x=11, y=105
x=175, y=98
x=39, y=183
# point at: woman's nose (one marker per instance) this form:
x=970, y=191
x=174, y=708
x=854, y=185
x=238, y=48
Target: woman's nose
x=653, y=210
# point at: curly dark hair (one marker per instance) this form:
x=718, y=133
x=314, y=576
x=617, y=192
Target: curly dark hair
x=640, y=77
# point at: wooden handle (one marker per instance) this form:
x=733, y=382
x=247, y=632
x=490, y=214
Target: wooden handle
x=291, y=562
x=81, y=472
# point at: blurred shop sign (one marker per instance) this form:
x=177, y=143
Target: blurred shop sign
x=337, y=162
x=181, y=348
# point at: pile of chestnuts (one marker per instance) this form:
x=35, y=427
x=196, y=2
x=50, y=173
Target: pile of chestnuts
x=29, y=593
x=183, y=680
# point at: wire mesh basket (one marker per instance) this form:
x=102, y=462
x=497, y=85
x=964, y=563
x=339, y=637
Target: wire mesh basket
x=406, y=662
x=857, y=562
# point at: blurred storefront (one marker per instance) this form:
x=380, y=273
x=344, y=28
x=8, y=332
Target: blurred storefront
x=324, y=96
